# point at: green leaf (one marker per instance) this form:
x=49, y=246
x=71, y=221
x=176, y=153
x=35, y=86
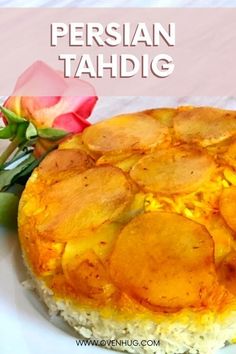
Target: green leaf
x=31, y=132
x=7, y=132
x=27, y=171
x=21, y=131
x=52, y=134
x=8, y=209
x=9, y=177
x=11, y=116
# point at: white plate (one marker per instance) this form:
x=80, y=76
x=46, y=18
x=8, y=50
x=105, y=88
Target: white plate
x=25, y=326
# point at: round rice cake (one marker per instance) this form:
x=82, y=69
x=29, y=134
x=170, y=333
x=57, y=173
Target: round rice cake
x=128, y=230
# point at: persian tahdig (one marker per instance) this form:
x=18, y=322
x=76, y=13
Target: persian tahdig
x=128, y=230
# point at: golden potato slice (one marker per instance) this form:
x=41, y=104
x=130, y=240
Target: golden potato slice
x=230, y=155
x=72, y=142
x=84, y=260
x=165, y=260
x=43, y=255
x=136, y=207
x=114, y=158
x=174, y=170
x=164, y=115
x=129, y=162
x=83, y=201
x=89, y=277
x=222, y=235
x=61, y=164
x=100, y=240
x=230, y=175
x=75, y=142
x=227, y=272
x=204, y=125
x=227, y=204
x=124, y=161
x=130, y=132
x=220, y=148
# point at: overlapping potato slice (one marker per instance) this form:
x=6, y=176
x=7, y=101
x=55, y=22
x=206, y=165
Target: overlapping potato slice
x=164, y=115
x=204, y=125
x=174, y=170
x=74, y=205
x=230, y=155
x=72, y=142
x=43, y=255
x=219, y=149
x=84, y=260
x=230, y=175
x=75, y=142
x=227, y=206
x=124, y=161
x=136, y=207
x=165, y=260
x=227, y=272
x=46, y=256
x=222, y=235
x=83, y=201
x=60, y=164
x=130, y=132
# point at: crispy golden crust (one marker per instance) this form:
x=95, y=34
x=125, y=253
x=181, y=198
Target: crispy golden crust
x=133, y=214
x=175, y=264
x=81, y=202
x=173, y=170
x=133, y=132
x=227, y=206
x=61, y=164
x=204, y=125
x=230, y=155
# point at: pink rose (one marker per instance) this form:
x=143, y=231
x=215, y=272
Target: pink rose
x=64, y=111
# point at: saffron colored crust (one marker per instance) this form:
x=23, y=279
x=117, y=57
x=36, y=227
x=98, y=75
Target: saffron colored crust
x=128, y=230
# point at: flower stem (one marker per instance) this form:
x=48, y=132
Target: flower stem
x=9, y=150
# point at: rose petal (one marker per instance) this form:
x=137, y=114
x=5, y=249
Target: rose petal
x=85, y=109
x=82, y=105
x=46, y=116
x=71, y=122
x=48, y=111
x=14, y=104
x=44, y=101
x=40, y=80
x=41, y=110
